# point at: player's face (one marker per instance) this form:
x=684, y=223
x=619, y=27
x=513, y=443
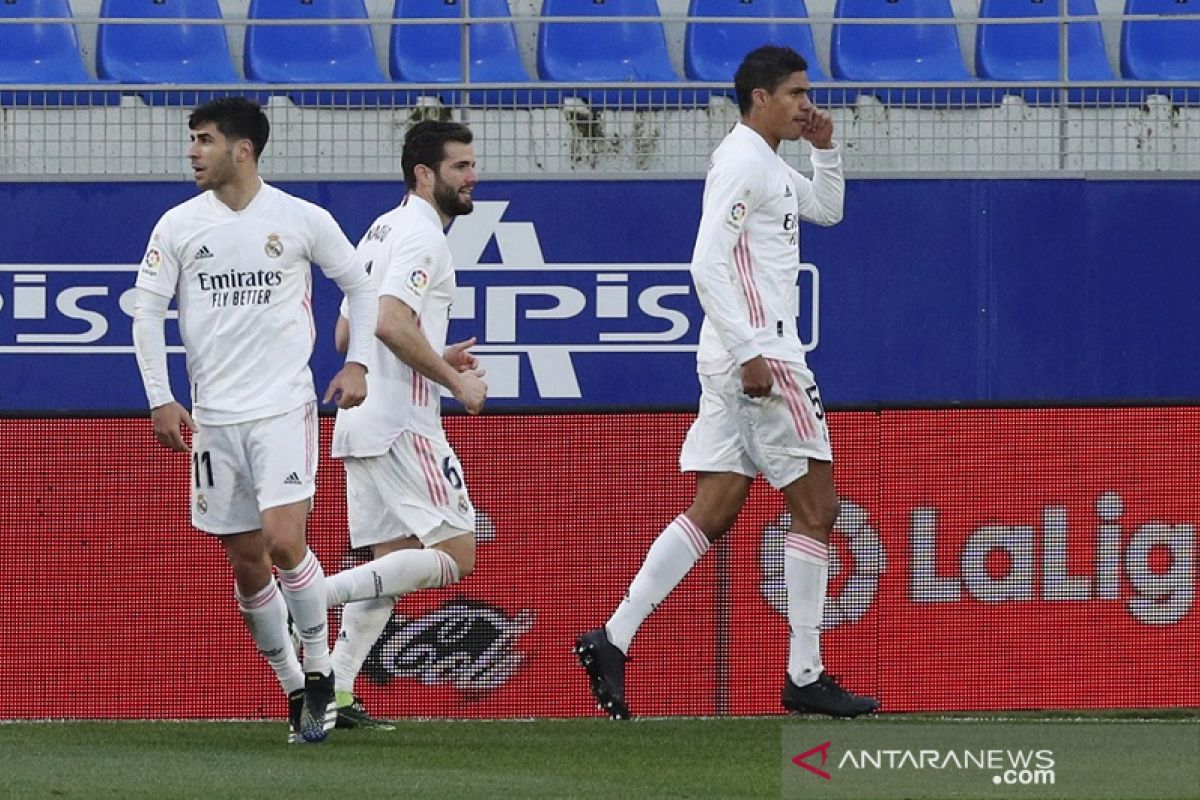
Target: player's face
x=788, y=108
x=212, y=157
x=454, y=180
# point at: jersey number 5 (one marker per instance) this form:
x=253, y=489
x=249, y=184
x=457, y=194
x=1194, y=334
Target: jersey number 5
x=815, y=399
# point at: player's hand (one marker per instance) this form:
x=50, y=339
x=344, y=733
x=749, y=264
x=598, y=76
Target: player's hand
x=168, y=420
x=349, y=387
x=459, y=356
x=818, y=131
x=756, y=377
x=470, y=390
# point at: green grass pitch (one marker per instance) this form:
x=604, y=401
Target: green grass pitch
x=508, y=759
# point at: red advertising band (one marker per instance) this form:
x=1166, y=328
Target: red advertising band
x=984, y=559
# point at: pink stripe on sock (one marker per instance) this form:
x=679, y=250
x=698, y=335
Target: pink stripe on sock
x=694, y=535
x=302, y=576
x=259, y=600
x=807, y=545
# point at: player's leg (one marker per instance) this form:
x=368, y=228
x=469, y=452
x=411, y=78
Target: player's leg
x=684, y=541
x=362, y=622
x=370, y=526
x=411, y=507
x=224, y=504
x=714, y=452
x=419, y=489
x=790, y=444
x=282, y=451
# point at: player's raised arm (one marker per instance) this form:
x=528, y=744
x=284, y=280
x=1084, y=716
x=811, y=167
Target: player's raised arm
x=821, y=199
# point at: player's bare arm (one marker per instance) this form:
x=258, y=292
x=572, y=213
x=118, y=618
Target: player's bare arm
x=349, y=386
x=397, y=328
x=169, y=421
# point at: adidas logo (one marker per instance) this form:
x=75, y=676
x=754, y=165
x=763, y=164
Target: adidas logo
x=787, y=192
x=203, y=252
x=292, y=480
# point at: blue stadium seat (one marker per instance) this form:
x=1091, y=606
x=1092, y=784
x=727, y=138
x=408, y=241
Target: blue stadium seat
x=712, y=51
x=342, y=54
x=168, y=53
x=1163, y=51
x=433, y=53
x=43, y=52
x=1030, y=52
x=608, y=51
x=903, y=52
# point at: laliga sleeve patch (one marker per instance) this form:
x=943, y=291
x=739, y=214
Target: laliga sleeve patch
x=418, y=279
x=737, y=215
x=151, y=261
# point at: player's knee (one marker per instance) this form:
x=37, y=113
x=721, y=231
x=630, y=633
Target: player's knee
x=820, y=516
x=461, y=550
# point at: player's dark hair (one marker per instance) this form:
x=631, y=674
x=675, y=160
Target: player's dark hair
x=765, y=68
x=235, y=118
x=425, y=143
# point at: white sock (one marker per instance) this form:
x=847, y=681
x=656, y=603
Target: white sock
x=265, y=614
x=806, y=573
x=677, y=548
x=362, y=623
x=304, y=592
x=393, y=575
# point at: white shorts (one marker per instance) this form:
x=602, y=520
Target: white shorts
x=775, y=435
x=240, y=470
x=416, y=489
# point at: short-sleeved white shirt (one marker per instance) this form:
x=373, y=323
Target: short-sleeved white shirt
x=244, y=286
x=407, y=255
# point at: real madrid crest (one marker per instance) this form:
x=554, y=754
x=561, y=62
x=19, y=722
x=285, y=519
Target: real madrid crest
x=201, y=503
x=274, y=246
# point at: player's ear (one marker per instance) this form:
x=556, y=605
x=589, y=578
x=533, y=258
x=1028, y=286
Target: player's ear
x=423, y=173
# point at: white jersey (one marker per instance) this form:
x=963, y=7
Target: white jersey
x=747, y=259
x=408, y=257
x=244, y=286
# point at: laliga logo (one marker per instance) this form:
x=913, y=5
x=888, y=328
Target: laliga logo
x=868, y=559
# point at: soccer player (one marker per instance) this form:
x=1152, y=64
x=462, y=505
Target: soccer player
x=406, y=495
x=238, y=258
x=760, y=410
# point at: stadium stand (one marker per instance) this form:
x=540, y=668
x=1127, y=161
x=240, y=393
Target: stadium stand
x=712, y=51
x=433, y=53
x=903, y=52
x=1031, y=52
x=607, y=51
x=180, y=53
x=43, y=53
x=1163, y=51
x=343, y=54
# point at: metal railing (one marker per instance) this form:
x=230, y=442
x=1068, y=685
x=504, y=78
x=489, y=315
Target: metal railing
x=541, y=129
